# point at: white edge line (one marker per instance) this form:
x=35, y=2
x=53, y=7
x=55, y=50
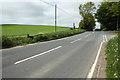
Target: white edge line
x=90, y=74
x=37, y=55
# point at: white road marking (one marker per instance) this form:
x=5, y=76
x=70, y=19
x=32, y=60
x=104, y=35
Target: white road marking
x=37, y=55
x=106, y=38
x=86, y=35
x=75, y=40
x=103, y=38
x=90, y=74
x=89, y=34
x=79, y=39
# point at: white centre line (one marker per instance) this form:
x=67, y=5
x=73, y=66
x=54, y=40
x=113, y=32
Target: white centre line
x=75, y=40
x=37, y=55
x=87, y=35
x=79, y=39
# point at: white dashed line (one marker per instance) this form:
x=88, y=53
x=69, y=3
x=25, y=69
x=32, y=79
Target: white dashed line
x=86, y=35
x=37, y=55
x=75, y=40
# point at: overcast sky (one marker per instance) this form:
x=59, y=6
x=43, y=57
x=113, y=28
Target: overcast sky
x=38, y=12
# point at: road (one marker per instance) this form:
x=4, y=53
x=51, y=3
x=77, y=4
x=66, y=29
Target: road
x=70, y=57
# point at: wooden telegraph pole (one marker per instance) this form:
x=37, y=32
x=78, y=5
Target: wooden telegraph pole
x=55, y=17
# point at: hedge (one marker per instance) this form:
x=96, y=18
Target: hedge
x=8, y=42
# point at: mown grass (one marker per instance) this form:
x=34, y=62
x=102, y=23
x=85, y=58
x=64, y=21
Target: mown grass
x=23, y=30
x=113, y=57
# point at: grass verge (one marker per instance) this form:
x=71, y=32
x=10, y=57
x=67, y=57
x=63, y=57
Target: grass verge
x=113, y=31
x=113, y=57
x=8, y=42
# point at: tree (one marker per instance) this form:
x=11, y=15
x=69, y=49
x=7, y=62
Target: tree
x=87, y=8
x=108, y=15
x=88, y=22
x=86, y=11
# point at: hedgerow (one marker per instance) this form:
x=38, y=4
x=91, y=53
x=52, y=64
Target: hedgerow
x=8, y=42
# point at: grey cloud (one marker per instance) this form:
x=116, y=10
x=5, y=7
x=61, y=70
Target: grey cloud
x=23, y=12
x=22, y=9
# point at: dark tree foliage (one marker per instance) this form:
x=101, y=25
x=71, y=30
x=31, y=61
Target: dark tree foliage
x=88, y=22
x=108, y=15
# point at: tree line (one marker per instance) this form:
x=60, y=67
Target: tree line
x=108, y=15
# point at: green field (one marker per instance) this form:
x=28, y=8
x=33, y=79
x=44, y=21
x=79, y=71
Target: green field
x=21, y=30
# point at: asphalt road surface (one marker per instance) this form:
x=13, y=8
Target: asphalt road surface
x=70, y=57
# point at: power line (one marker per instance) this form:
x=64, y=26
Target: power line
x=68, y=13
x=47, y=3
x=60, y=9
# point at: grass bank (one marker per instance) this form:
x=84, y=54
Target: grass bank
x=8, y=42
x=113, y=57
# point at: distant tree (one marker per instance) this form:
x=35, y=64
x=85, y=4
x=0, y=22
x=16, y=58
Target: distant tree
x=87, y=8
x=88, y=22
x=108, y=15
x=86, y=11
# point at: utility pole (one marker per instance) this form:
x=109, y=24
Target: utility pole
x=55, y=17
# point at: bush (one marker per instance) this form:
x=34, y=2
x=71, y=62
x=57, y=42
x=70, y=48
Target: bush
x=7, y=42
x=41, y=37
